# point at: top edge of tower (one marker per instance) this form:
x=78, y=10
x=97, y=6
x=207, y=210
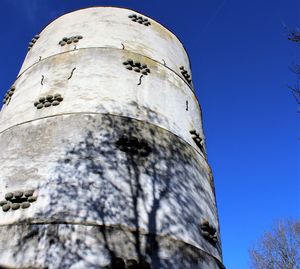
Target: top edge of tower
x=121, y=8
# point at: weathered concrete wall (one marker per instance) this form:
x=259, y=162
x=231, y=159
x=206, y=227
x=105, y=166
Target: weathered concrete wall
x=102, y=84
x=109, y=27
x=81, y=177
x=88, y=246
x=106, y=173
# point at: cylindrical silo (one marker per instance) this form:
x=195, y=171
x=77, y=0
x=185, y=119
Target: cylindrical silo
x=103, y=160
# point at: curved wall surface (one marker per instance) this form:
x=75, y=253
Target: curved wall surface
x=110, y=28
x=102, y=151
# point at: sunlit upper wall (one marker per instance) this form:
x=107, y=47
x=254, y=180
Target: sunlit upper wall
x=95, y=80
x=111, y=27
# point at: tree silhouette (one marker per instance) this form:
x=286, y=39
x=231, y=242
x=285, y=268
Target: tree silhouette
x=278, y=248
x=294, y=36
x=120, y=194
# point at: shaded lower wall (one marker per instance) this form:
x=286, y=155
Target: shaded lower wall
x=91, y=173
x=77, y=247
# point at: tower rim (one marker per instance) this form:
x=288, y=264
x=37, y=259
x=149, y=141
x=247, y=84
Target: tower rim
x=124, y=8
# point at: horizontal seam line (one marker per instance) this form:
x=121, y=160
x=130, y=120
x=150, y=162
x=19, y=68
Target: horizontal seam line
x=109, y=226
x=123, y=8
x=95, y=113
x=113, y=48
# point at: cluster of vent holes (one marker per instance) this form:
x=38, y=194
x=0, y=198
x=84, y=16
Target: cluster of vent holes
x=119, y=263
x=185, y=74
x=209, y=232
x=139, y=19
x=70, y=40
x=8, y=95
x=18, y=199
x=49, y=100
x=137, y=67
x=197, y=139
x=133, y=146
x=32, y=42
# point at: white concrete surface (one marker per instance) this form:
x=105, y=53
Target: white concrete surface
x=102, y=84
x=109, y=28
x=68, y=153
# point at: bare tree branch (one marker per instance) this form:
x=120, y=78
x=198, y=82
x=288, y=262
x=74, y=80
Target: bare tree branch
x=279, y=248
x=294, y=36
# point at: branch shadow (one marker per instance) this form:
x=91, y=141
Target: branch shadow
x=130, y=205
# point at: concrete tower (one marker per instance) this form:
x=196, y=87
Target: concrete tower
x=103, y=160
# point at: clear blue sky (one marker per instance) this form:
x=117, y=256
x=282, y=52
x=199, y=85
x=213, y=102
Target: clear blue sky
x=240, y=58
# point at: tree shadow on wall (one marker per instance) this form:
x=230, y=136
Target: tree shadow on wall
x=127, y=182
